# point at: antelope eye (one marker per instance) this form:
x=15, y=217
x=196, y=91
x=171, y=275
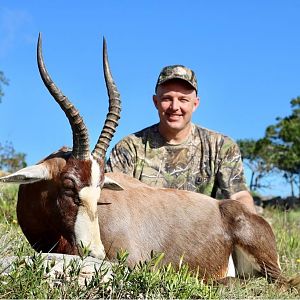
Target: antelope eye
x=69, y=193
x=68, y=184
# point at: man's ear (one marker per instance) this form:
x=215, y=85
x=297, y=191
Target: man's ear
x=155, y=100
x=196, y=103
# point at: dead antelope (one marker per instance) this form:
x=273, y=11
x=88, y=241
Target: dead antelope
x=66, y=201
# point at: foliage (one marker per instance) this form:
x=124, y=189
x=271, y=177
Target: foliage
x=277, y=151
x=10, y=160
x=284, y=140
x=256, y=156
x=146, y=280
x=8, y=195
x=3, y=80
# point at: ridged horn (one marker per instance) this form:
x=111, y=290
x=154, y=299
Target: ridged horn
x=113, y=115
x=79, y=130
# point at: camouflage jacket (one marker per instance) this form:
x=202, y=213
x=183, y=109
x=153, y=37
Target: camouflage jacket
x=207, y=162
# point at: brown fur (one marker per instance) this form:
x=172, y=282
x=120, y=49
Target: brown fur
x=47, y=210
x=141, y=219
x=254, y=235
x=177, y=222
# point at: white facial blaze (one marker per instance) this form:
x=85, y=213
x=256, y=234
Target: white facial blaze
x=87, y=229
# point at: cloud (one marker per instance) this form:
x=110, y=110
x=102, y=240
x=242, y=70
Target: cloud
x=13, y=24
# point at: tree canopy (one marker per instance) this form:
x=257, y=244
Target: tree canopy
x=256, y=158
x=284, y=136
x=278, y=150
x=10, y=159
x=3, y=80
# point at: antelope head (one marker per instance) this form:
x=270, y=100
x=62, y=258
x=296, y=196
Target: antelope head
x=63, y=189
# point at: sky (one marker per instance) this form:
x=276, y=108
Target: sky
x=245, y=55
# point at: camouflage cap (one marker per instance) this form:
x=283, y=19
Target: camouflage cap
x=177, y=72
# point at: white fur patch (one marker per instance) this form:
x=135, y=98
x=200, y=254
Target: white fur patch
x=95, y=173
x=87, y=229
x=246, y=263
x=87, y=232
x=29, y=174
x=231, y=268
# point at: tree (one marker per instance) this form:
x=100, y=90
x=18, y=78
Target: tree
x=3, y=80
x=256, y=157
x=10, y=160
x=284, y=139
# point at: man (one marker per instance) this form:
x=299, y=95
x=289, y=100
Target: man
x=176, y=153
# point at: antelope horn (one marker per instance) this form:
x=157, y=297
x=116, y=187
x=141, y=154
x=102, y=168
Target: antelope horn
x=79, y=130
x=113, y=115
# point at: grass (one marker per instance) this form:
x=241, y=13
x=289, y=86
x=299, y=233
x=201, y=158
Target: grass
x=146, y=280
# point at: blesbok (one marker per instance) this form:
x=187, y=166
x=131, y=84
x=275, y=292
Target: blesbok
x=66, y=201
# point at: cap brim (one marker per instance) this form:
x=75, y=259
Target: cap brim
x=175, y=77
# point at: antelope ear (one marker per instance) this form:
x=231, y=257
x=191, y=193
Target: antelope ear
x=111, y=184
x=28, y=175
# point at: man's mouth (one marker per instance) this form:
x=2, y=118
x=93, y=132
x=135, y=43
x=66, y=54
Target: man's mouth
x=173, y=117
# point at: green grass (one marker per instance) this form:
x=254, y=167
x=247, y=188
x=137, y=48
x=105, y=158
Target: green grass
x=147, y=280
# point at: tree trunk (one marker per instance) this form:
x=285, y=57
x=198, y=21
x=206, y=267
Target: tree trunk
x=251, y=181
x=291, y=180
x=299, y=185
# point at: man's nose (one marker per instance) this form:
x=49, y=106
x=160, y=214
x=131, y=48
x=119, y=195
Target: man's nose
x=175, y=104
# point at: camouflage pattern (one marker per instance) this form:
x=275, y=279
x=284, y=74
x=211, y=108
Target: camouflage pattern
x=177, y=72
x=207, y=162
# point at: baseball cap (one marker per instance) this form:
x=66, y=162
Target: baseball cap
x=177, y=72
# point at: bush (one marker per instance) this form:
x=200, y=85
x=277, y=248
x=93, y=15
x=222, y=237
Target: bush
x=10, y=159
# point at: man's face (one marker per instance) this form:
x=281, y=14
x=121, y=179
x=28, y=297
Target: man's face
x=175, y=101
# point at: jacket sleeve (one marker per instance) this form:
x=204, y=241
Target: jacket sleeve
x=230, y=176
x=122, y=158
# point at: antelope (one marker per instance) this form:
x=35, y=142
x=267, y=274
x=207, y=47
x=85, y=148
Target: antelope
x=67, y=201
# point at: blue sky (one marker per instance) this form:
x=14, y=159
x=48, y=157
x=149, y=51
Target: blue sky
x=245, y=55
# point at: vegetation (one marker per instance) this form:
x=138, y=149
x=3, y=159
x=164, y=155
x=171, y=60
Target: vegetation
x=277, y=151
x=283, y=139
x=256, y=158
x=10, y=159
x=3, y=80
x=147, y=280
